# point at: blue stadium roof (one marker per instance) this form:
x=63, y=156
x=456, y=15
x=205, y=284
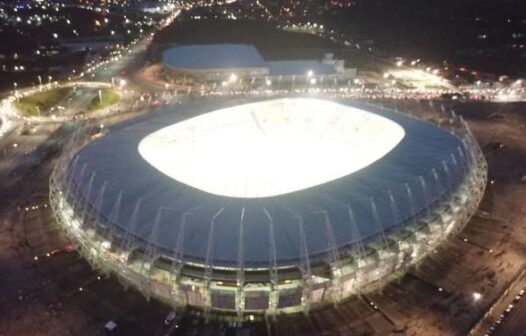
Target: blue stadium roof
x=213, y=56
x=319, y=215
x=299, y=68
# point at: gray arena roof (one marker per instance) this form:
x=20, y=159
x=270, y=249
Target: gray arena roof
x=299, y=68
x=213, y=56
x=224, y=231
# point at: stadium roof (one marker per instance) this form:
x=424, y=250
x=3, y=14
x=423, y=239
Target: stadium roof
x=225, y=231
x=213, y=56
x=299, y=68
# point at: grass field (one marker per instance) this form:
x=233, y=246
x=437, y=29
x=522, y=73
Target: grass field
x=109, y=97
x=40, y=103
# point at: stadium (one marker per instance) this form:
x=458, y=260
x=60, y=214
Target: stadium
x=267, y=206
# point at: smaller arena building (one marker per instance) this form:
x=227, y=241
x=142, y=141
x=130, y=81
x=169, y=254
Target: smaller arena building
x=235, y=63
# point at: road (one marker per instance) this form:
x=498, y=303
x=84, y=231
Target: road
x=514, y=324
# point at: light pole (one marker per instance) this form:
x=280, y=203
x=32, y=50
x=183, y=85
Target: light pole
x=16, y=92
x=39, y=82
x=49, y=79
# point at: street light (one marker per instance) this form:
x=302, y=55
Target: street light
x=16, y=92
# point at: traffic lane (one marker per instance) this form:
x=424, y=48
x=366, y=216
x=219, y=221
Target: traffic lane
x=515, y=322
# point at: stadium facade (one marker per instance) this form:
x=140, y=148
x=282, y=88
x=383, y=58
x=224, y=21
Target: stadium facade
x=308, y=202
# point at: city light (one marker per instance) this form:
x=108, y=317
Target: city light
x=293, y=179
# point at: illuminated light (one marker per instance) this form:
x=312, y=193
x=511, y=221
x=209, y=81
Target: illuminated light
x=477, y=296
x=418, y=76
x=250, y=146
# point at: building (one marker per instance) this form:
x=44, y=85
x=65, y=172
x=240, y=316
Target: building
x=239, y=63
x=205, y=63
x=264, y=207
